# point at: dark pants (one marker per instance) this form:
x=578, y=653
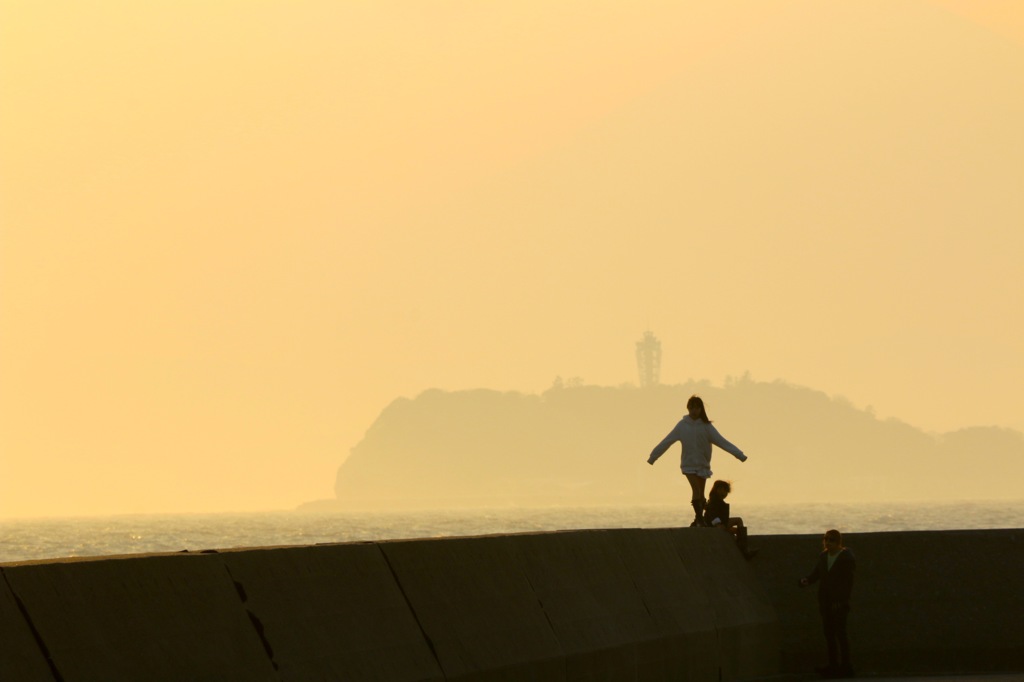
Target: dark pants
x=833, y=622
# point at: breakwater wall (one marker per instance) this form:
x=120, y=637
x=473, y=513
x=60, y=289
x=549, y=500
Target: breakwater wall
x=923, y=601
x=667, y=604
x=660, y=604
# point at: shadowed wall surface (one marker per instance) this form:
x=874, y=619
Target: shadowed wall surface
x=661, y=604
x=665, y=604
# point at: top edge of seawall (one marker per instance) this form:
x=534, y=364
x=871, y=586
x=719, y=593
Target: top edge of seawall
x=1010, y=533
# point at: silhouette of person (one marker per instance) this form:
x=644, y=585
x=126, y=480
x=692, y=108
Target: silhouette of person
x=716, y=514
x=696, y=434
x=834, y=574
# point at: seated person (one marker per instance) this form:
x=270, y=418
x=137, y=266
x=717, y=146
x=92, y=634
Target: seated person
x=716, y=514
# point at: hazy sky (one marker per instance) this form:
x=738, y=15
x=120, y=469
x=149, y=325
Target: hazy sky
x=231, y=232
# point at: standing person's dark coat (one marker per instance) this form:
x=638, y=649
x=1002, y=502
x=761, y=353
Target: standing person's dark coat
x=835, y=585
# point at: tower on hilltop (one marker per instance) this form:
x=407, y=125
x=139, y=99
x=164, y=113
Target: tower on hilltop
x=648, y=359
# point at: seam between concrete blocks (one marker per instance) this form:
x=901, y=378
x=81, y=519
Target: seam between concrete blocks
x=43, y=649
x=551, y=626
x=254, y=620
x=415, y=616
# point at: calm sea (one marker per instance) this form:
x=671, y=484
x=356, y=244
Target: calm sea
x=130, y=534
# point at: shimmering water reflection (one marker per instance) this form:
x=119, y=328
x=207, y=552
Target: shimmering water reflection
x=131, y=534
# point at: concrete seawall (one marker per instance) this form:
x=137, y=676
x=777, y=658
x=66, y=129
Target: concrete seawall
x=923, y=601
x=667, y=604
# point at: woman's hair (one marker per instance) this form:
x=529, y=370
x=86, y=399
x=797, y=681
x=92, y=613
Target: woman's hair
x=720, y=489
x=834, y=536
x=695, y=401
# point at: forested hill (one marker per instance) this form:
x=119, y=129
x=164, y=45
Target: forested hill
x=589, y=445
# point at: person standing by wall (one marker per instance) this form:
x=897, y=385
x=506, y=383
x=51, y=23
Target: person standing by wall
x=834, y=574
x=696, y=434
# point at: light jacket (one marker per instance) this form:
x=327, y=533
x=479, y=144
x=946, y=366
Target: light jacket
x=696, y=438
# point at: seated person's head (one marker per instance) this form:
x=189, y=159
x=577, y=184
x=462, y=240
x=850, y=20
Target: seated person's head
x=721, y=489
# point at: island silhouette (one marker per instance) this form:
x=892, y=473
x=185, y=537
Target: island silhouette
x=584, y=445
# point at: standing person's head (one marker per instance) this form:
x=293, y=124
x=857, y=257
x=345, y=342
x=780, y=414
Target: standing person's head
x=833, y=541
x=720, y=490
x=695, y=406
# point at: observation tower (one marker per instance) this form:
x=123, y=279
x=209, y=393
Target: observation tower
x=648, y=360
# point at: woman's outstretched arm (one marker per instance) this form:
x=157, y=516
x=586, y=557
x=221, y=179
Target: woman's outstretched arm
x=719, y=440
x=661, y=447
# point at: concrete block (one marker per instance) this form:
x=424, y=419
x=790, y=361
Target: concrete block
x=954, y=600
x=783, y=559
x=745, y=621
x=21, y=657
x=686, y=644
x=590, y=600
x=477, y=607
x=158, y=617
x=332, y=612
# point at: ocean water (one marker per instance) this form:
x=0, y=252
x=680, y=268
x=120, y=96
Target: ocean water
x=28, y=539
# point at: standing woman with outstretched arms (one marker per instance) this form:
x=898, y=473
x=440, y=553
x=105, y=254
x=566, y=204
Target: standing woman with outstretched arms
x=696, y=434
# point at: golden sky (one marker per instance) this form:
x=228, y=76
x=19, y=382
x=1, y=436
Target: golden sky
x=231, y=232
